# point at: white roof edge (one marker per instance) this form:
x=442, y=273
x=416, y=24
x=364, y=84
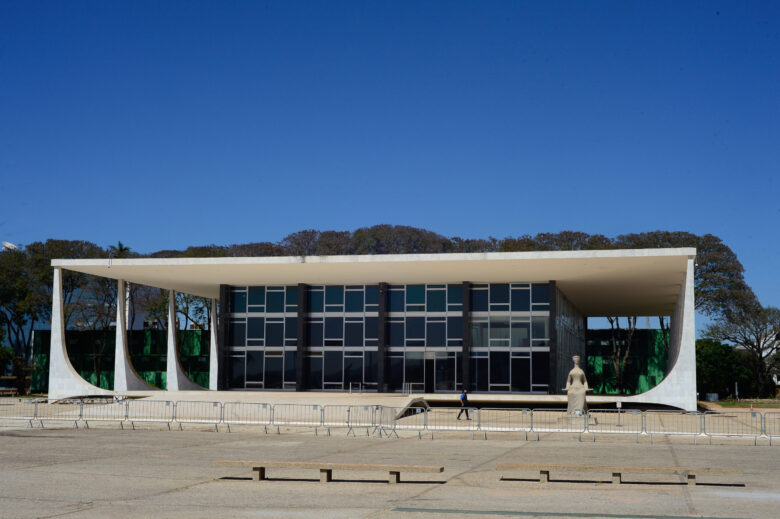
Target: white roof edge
x=381, y=258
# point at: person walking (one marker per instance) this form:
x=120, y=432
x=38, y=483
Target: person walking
x=464, y=402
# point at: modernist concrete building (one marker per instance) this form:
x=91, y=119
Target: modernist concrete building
x=496, y=322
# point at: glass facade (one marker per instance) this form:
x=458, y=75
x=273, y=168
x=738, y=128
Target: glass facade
x=509, y=335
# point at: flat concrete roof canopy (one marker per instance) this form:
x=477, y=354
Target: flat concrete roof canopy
x=598, y=282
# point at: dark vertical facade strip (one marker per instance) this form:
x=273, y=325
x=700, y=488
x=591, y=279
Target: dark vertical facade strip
x=381, y=354
x=465, y=372
x=302, y=358
x=553, y=387
x=222, y=337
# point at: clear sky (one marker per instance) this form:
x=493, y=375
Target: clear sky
x=168, y=124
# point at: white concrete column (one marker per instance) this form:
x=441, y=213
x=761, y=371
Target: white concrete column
x=678, y=387
x=64, y=381
x=125, y=376
x=213, y=359
x=176, y=378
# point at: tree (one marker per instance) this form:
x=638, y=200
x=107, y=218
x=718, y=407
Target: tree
x=715, y=367
x=621, y=347
x=22, y=304
x=755, y=330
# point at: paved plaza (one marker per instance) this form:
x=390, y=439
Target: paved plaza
x=108, y=472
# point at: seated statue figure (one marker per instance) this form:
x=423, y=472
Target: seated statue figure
x=576, y=387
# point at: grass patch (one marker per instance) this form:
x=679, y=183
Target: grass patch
x=746, y=403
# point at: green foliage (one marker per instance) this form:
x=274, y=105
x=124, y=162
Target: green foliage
x=720, y=366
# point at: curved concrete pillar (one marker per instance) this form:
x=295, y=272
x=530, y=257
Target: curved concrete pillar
x=125, y=376
x=176, y=378
x=64, y=380
x=213, y=359
x=678, y=388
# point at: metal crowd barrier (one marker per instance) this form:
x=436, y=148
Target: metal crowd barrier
x=673, y=423
x=104, y=412
x=154, y=411
x=58, y=412
x=733, y=423
x=615, y=421
x=387, y=421
x=247, y=413
x=297, y=415
x=506, y=420
x=772, y=425
x=198, y=412
x=19, y=410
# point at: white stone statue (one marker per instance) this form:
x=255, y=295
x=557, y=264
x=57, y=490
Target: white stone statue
x=576, y=387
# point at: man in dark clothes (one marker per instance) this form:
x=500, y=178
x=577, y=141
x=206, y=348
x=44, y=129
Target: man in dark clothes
x=464, y=402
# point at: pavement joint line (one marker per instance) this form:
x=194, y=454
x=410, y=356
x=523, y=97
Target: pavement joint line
x=517, y=513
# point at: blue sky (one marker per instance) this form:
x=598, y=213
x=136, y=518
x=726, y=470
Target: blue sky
x=171, y=124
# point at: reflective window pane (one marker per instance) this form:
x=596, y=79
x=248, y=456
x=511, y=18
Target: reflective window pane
x=275, y=302
x=521, y=301
x=292, y=296
x=479, y=300
x=499, y=293
x=291, y=327
x=540, y=327
x=254, y=366
x=436, y=334
x=372, y=331
x=255, y=328
x=353, y=334
x=316, y=301
x=455, y=294
x=315, y=333
x=415, y=327
x=436, y=301
x=354, y=301
x=274, y=334
x=396, y=301
x=333, y=366
x=238, y=302
x=520, y=335
x=237, y=334
x=499, y=367
x=257, y=296
x=273, y=372
x=290, y=365
x=334, y=327
x=395, y=334
x=499, y=327
x=334, y=295
x=415, y=367
x=479, y=334
x=540, y=293
x=454, y=327
x=415, y=294
x=237, y=371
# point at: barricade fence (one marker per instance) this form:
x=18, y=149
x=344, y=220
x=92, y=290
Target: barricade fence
x=389, y=421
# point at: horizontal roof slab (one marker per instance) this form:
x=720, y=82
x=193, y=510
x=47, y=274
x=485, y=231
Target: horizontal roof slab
x=605, y=282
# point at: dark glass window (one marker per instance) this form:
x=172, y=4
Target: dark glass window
x=499, y=367
x=395, y=334
x=315, y=333
x=521, y=301
x=316, y=301
x=395, y=371
x=314, y=380
x=291, y=327
x=289, y=366
x=479, y=300
x=255, y=327
x=520, y=335
x=482, y=373
x=445, y=374
x=254, y=366
x=540, y=328
x=499, y=327
x=479, y=334
x=275, y=302
x=237, y=372
x=273, y=372
x=454, y=327
x=372, y=295
x=396, y=301
x=415, y=367
x=371, y=366
x=353, y=370
x=333, y=367
x=237, y=334
x=436, y=334
x=455, y=294
x=499, y=294
x=372, y=328
x=415, y=327
x=541, y=367
x=436, y=301
x=292, y=296
x=274, y=334
x=257, y=296
x=238, y=302
x=354, y=301
x=540, y=293
x=521, y=374
x=334, y=327
x=353, y=334
x=415, y=298
x=334, y=295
